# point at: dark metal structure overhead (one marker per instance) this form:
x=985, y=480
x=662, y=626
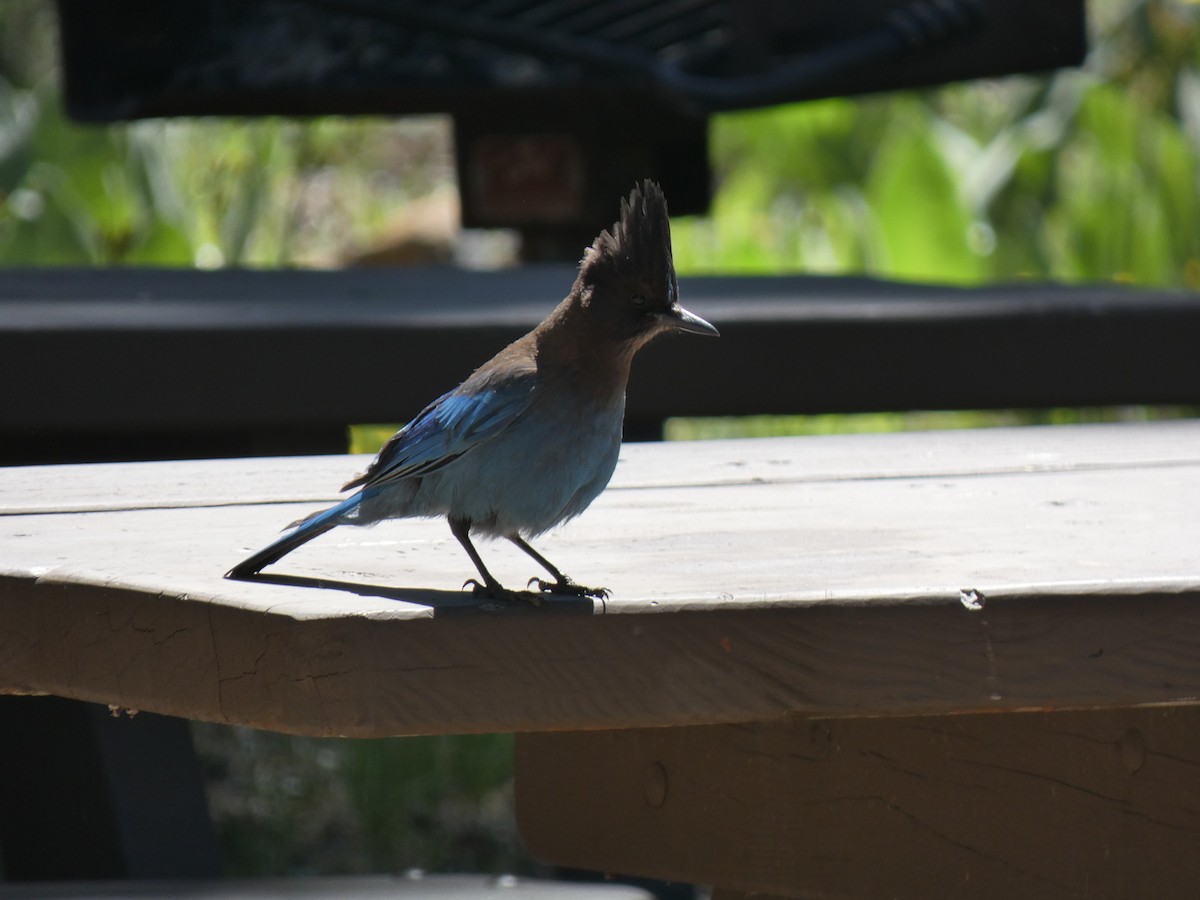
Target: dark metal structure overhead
x=583, y=97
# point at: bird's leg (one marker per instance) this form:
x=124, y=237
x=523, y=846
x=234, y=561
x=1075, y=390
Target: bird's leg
x=561, y=584
x=461, y=529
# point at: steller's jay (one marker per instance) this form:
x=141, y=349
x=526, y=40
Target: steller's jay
x=531, y=437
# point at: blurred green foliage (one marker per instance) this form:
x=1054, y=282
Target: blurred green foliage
x=209, y=193
x=292, y=805
x=202, y=192
x=1078, y=175
x=715, y=428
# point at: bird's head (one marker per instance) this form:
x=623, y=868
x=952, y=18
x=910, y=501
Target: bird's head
x=627, y=278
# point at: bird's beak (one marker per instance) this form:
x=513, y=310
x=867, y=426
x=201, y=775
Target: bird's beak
x=680, y=319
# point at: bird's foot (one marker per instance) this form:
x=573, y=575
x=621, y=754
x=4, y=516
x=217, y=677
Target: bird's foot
x=568, y=588
x=499, y=592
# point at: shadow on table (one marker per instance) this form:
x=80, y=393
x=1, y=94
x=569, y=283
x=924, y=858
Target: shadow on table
x=445, y=603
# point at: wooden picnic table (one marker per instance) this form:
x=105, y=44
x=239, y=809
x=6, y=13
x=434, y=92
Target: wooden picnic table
x=905, y=665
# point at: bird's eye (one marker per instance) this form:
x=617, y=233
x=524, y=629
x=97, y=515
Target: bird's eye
x=639, y=300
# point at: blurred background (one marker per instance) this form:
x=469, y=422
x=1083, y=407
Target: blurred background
x=993, y=180
x=1081, y=175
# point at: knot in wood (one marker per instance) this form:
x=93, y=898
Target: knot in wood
x=654, y=784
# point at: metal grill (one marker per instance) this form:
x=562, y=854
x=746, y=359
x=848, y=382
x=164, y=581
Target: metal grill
x=587, y=96
x=132, y=58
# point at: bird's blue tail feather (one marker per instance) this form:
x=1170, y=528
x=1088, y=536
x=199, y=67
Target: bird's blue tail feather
x=298, y=533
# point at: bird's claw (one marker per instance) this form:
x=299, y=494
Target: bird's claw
x=568, y=588
x=501, y=593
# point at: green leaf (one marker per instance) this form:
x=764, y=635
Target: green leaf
x=923, y=223
x=19, y=112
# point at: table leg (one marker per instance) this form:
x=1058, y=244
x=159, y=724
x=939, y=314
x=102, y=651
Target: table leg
x=86, y=794
x=1099, y=803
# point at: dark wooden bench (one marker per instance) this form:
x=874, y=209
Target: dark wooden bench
x=127, y=364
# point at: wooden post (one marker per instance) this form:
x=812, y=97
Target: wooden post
x=89, y=793
x=1061, y=804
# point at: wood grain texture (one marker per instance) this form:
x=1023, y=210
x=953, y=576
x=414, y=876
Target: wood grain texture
x=1094, y=804
x=751, y=579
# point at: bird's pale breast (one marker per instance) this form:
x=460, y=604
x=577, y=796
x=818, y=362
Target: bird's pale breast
x=524, y=480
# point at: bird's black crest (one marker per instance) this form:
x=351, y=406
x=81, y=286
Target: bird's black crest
x=638, y=247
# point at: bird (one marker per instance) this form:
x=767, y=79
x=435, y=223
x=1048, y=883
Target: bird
x=532, y=436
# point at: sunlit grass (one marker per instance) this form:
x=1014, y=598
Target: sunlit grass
x=369, y=438
x=712, y=428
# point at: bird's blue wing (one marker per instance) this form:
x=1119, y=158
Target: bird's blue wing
x=446, y=429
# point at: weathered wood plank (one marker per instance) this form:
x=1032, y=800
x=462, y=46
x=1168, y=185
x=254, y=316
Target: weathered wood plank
x=461, y=670
x=959, y=509
x=751, y=579
x=995, y=451
x=1093, y=804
